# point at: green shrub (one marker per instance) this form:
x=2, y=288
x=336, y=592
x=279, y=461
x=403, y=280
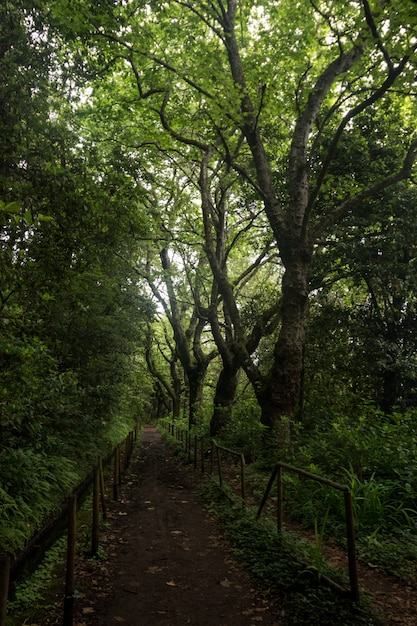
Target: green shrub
x=245, y=433
x=374, y=455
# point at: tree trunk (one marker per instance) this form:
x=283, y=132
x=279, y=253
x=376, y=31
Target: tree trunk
x=159, y=404
x=176, y=389
x=176, y=407
x=195, y=378
x=279, y=394
x=390, y=391
x=223, y=399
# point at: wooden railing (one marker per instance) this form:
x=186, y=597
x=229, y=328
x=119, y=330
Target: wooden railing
x=219, y=451
x=11, y=568
x=201, y=448
x=276, y=476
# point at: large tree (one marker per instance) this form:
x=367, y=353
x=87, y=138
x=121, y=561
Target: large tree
x=276, y=89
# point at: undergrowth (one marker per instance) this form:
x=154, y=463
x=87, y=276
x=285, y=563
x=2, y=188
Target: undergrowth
x=37, y=479
x=42, y=591
x=272, y=561
x=371, y=453
x=37, y=593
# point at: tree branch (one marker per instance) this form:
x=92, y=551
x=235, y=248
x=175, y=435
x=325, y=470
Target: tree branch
x=374, y=97
x=193, y=8
x=167, y=126
x=298, y=168
x=349, y=204
x=372, y=27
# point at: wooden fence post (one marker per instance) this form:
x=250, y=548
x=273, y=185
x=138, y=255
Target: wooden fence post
x=242, y=478
x=4, y=588
x=280, y=498
x=126, y=460
x=219, y=465
x=119, y=464
x=195, y=451
x=70, y=572
x=350, y=531
x=96, y=513
x=116, y=474
x=102, y=490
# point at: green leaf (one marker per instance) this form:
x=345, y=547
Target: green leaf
x=44, y=218
x=10, y=207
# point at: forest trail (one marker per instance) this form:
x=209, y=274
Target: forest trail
x=167, y=561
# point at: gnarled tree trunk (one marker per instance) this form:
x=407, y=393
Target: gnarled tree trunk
x=281, y=387
x=223, y=399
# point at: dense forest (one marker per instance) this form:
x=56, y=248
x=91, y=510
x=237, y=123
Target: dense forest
x=208, y=213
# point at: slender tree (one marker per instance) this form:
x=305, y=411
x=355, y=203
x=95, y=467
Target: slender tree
x=169, y=382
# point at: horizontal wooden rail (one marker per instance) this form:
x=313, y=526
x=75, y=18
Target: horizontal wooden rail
x=350, y=526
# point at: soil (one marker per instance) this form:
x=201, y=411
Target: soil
x=167, y=563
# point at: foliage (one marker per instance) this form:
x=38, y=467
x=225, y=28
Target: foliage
x=361, y=341
x=33, y=485
x=71, y=307
x=283, y=110
x=373, y=443
x=374, y=456
x=244, y=432
x=32, y=594
x=394, y=554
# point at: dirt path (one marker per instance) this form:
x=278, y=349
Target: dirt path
x=167, y=562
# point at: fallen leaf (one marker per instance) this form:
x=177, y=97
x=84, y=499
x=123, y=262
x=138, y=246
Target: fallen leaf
x=225, y=583
x=171, y=583
x=87, y=610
